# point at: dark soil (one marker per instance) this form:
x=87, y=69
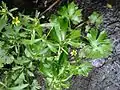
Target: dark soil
x=106, y=77
x=30, y=6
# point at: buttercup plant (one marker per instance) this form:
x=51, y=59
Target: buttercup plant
x=28, y=46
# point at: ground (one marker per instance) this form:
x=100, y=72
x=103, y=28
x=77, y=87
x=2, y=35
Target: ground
x=106, y=77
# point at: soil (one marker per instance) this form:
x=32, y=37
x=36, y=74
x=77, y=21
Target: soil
x=106, y=77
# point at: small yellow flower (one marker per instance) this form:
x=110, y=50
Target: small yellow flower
x=73, y=53
x=15, y=21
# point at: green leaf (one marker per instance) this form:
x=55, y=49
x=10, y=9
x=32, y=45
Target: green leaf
x=61, y=71
x=30, y=73
x=98, y=45
x=74, y=34
x=27, y=53
x=8, y=59
x=22, y=60
x=87, y=28
x=77, y=17
x=63, y=12
x=52, y=47
x=95, y=18
x=35, y=85
x=16, y=68
x=1, y=64
x=43, y=51
x=62, y=58
x=38, y=28
x=85, y=68
x=74, y=44
x=71, y=12
x=26, y=42
x=20, y=87
x=20, y=79
x=102, y=36
x=3, y=21
x=94, y=33
x=71, y=9
x=57, y=30
x=45, y=71
x=63, y=26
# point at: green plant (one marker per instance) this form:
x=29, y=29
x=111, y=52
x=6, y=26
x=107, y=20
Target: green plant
x=26, y=47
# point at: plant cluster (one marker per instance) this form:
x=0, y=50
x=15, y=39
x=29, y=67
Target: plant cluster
x=27, y=47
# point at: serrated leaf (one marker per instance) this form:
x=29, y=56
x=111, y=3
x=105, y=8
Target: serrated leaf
x=85, y=68
x=63, y=12
x=94, y=33
x=98, y=44
x=71, y=9
x=77, y=17
x=95, y=18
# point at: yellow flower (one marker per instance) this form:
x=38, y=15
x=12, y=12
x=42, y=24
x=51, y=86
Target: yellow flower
x=15, y=21
x=73, y=53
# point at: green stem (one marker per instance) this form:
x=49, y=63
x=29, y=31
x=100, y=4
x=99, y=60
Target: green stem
x=48, y=25
x=48, y=33
x=3, y=85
